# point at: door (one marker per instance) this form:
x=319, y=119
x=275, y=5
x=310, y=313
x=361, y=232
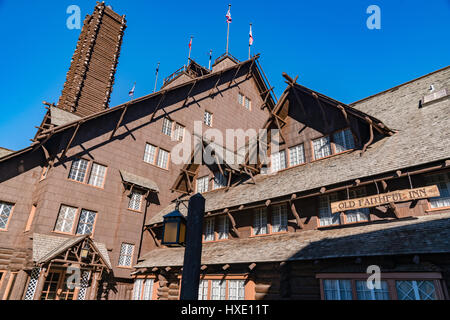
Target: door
x=55, y=287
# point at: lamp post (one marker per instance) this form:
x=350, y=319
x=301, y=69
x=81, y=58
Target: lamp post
x=179, y=232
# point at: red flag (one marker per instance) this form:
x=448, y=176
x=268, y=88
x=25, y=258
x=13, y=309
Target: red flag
x=228, y=16
x=250, y=40
x=190, y=44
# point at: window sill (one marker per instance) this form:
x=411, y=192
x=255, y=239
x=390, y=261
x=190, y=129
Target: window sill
x=155, y=166
x=87, y=184
x=124, y=267
x=267, y=234
x=437, y=209
x=134, y=211
x=332, y=155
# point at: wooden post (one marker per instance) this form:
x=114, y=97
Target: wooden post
x=193, y=252
x=40, y=284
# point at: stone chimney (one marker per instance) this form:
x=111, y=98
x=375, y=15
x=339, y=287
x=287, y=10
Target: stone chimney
x=90, y=79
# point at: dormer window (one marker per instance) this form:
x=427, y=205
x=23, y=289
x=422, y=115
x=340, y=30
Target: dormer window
x=343, y=140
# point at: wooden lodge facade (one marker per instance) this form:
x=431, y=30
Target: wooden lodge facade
x=88, y=195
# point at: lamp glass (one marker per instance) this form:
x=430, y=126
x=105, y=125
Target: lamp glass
x=170, y=231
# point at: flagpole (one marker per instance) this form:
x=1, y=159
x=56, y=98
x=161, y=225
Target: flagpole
x=249, y=45
x=156, y=80
x=210, y=57
x=228, y=28
x=190, y=48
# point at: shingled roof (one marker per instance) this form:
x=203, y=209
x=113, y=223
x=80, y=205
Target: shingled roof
x=423, y=136
x=422, y=235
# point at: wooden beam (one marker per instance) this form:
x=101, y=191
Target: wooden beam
x=296, y=215
x=236, y=73
x=189, y=93
x=252, y=266
x=71, y=140
x=158, y=244
x=233, y=224
x=163, y=96
x=216, y=84
x=119, y=122
x=204, y=267
x=268, y=202
x=369, y=141
x=250, y=69
x=226, y=267
x=323, y=189
x=155, y=269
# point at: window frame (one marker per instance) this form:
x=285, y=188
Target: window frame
x=87, y=173
x=209, y=220
x=91, y=167
x=154, y=293
x=211, y=118
x=281, y=205
x=207, y=184
x=171, y=123
x=93, y=225
x=142, y=193
x=390, y=278
x=289, y=155
x=268, y=222
x=156, y=156
x=427, y=183
x=279, y=161
x=13, y=205
x=131, y=256
x=75, y=220
x=248, y=285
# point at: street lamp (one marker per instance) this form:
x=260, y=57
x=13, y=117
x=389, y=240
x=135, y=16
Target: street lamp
x=174, y=229
x=85, y=250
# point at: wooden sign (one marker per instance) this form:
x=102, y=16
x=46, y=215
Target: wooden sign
x=385, y=198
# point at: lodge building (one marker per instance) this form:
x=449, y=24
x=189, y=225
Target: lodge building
x=91, y=190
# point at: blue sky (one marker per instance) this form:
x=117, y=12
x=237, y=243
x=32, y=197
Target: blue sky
x=326, y=43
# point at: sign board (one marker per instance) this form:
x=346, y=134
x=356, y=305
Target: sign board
x=385, y=198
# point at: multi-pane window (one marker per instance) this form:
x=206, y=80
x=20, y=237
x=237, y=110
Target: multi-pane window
x=343, y=140
x=222, y=228
x=247, y=103
x=443, y=183
x=209, y=229
x=86, y=222
x=218, y=289
x=364, y=293
x=143, y=289
x=220, y=181
x=322, y=147
x=278, y=161
x=357, y=215
x=202, y=184
x=178, y=133
x=326, y=217
x=126, y=255
x=337, y=289
x=221, y=289
x=135, y=200
x=260, y=221
x=150, y=153
x=167, y=127
x=296, y=155
x=241, y=99
x=236, y=290
x=244, y=101
x=66, y=219
x=207, y=118
x=203, y=290
x=163, y=159
x=97, y=176
x=5, y=213
x=415, y=290
x=279, y=218
x=78, y=170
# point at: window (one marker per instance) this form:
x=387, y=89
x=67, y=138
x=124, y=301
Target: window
x=222, y=227
x=415, y=290
x=326, y=217
x=44, y=172
x=220, y=181
x=240, y=99
x=279, y=218
x=135, y=200
x=443, y=183
x=86, y=222
x=126, y=255
x=167, y=127
x=207, y=119
x=66, y=219
x=209, y=229
x=337, y=289
x=203, y=290
x=278, y=161
x=5, y=213
x=296, y=155
x=97, y=176
x=178, y=132
x=247, y=103
x=143, y=289
x=150, y=153
x=357, y=215
x=260, y=222
x=364, y=293
x=218, y=289
x=424, y=286
x=322, y=147
x=163, y=159
x=343, y=140
x=202, y=184
x=78, y=170
x=236, y=290
x=224, y=289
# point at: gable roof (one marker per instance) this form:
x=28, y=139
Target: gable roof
x=47, y=247
x=43, y=135
x=421, y=235
x=423, y=136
